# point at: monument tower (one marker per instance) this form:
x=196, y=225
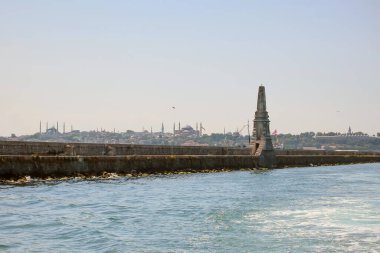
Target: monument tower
x=261, y=143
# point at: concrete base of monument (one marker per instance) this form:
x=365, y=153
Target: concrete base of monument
x=267, y=159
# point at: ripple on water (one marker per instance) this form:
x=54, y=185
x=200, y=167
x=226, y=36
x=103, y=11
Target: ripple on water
x=321, y=209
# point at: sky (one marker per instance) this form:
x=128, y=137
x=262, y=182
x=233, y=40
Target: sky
x=125, y=64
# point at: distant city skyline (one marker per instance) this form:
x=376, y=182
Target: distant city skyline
x=134, y=64
x=167, y=128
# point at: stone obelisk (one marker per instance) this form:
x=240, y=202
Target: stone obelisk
x=261, y=143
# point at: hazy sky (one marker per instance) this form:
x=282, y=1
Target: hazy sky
x=124, y=64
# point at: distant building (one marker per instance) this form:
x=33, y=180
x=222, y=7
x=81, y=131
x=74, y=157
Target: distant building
x=312, y=148
x=52, y=131
x=193, y=143
x=187, y=131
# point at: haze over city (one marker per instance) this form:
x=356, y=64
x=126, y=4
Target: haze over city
x=126, y=64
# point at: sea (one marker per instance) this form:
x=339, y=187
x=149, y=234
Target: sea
x=314, y=209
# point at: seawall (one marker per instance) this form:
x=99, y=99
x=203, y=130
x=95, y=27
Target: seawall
x=69, y=166
x=50, y=159
x=94, y=149
x=13, y=167
x=284, y=161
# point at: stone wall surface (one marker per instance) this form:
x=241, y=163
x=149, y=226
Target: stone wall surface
x=322, y=152
x=317, y=160
x=93, y=149
x=42, y=159
x=68, y=166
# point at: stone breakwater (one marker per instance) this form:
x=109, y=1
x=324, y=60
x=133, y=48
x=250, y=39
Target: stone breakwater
x=13, y=167
x=44, y=160
x=284, y=161
x=95, y=149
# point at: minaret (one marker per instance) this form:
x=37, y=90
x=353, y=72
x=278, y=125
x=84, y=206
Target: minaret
x=249, y=133
x=261, y=139
x=162, y=128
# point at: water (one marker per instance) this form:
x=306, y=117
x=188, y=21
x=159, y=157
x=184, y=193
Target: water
x=321, y=209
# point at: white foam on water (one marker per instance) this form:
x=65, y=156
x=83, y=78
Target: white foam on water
x=336, y=226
